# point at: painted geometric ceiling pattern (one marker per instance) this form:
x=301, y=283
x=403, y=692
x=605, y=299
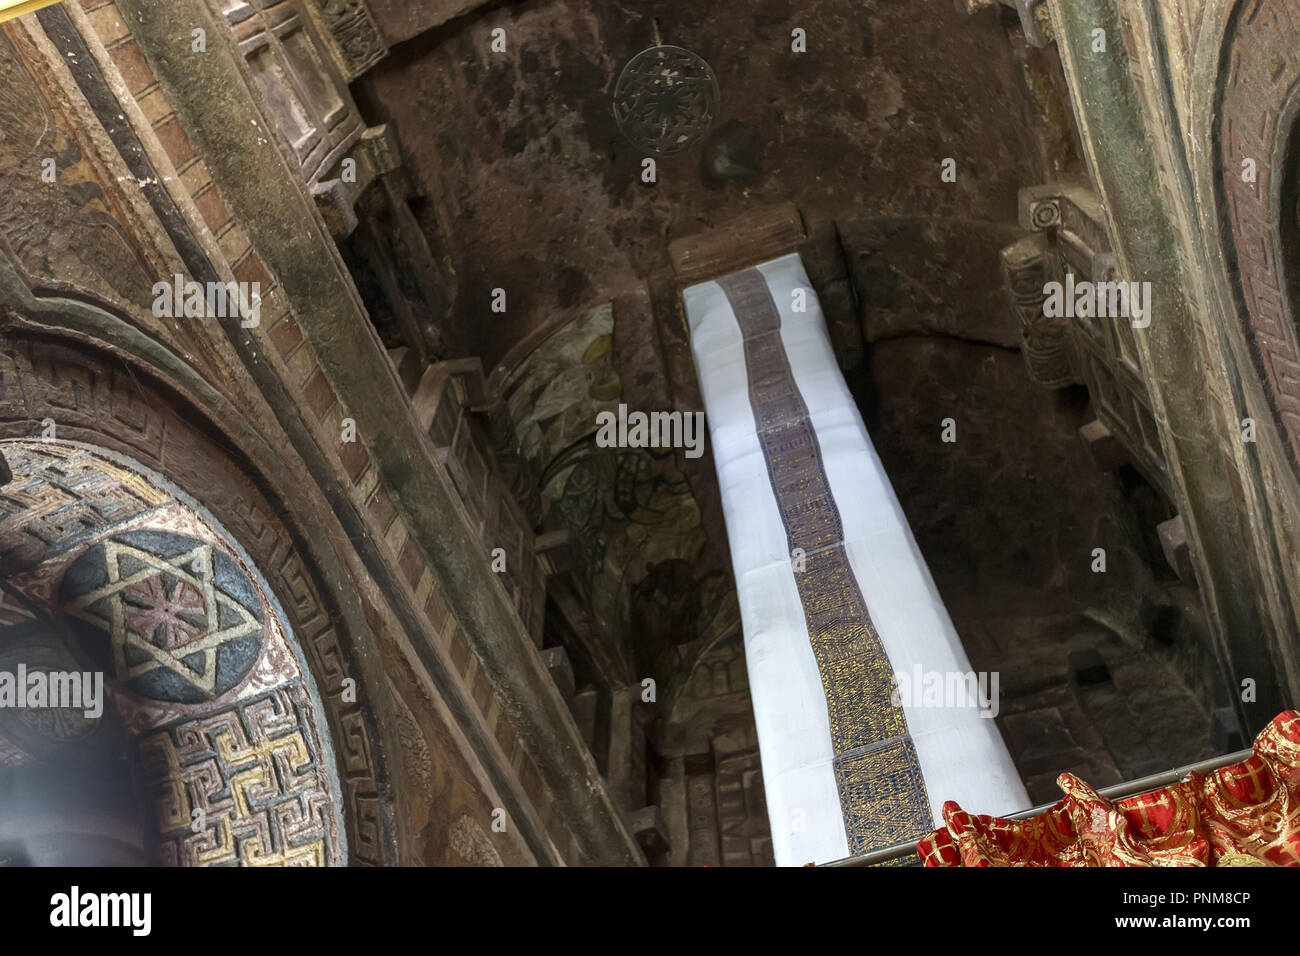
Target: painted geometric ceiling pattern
x=117, y=573
x=184, y=622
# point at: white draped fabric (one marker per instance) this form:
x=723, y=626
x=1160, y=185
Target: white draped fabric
x=961, y=754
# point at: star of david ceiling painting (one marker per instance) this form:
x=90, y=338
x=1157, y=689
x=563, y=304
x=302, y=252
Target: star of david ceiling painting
x=179, y=619
x=104, y=567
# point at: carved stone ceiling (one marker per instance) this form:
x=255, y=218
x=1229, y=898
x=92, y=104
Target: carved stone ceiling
x=854, y=130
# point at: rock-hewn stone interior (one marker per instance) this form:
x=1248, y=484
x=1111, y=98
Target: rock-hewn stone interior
x=851, y=133
x=471, y=609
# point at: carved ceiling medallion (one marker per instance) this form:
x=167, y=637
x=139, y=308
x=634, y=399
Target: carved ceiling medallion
x=666, y=100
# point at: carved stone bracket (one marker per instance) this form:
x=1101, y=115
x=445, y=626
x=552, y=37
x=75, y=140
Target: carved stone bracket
x=1069, y=235
x=1048, y=355
x=352, y=33
x=1073, y=211
x=374, y=155
x=1034, y=18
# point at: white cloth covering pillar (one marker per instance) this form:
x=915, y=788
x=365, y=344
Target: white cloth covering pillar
x=835, y=596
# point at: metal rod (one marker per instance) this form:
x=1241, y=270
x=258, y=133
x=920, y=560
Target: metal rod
x=1126, y=789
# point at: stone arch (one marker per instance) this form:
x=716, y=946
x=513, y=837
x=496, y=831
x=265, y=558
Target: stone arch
x=208, y=694
x=1257, y=122
x=127, y=413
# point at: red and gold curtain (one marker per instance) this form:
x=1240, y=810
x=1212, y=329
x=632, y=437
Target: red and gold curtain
x=1247, y=814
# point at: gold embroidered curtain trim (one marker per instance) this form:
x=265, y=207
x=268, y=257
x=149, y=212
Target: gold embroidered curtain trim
x=1246, y=814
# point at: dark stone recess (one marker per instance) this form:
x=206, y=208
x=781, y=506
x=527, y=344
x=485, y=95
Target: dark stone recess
x=1103, y=675
x=733, y=152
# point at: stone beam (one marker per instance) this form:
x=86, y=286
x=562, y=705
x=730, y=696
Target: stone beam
x=1107, y=104
x=262, y=185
